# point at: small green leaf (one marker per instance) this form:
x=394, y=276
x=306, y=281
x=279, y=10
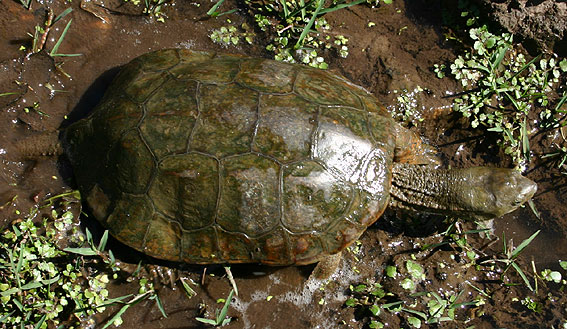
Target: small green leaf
x=207, y=321
x=407, y=284
x=415, y=270
x=81, y=251
x=391, y=271
x=351, y=302
x=415, y=322
x=374, y=309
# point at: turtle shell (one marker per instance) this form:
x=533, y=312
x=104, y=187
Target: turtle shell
x=207, y=158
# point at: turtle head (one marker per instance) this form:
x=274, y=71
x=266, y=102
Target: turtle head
x=493, y=192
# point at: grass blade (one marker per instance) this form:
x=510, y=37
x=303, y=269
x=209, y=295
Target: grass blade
x=81, y=251
x=525, y=140
x=40, y=322
x=309, y=24
x=523, y=245
x=341, y=6
x=205, y=320
x=526, y=66
x=160, y=305
x=285, y=9
x=116, y=316
x=222, y=314
x=58, y=43
x=63, y=14
x=213, y=10
x=103, y=240
x=561, y=102
x=521, y=273
x=499, y=57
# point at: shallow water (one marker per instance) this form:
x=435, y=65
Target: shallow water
x=395, y=54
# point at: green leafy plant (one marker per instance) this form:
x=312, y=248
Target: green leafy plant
x=296, y=28
x=152, y=8
x=41, y=33
x=502, y=87
x=231, y=35
x=220, y=317
x=511, y=254
x=40, y=282
x=46, y=286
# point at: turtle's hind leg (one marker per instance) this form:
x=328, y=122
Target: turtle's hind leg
x=326, y=266
x=410, y=148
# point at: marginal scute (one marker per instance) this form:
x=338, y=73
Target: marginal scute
x=227, y=120
x=266, y=76
x=99, y=202
x=312, y=198
x=163, y=238
x=285, y=127
x=274, y=248
x=366, y=208
x=121, y=224
x=306, y=248
x=130, y=164
x=171, y=113
x=340, y=236
x=236, y=247
x=249, y=198
x=382, y=131
x=200, y=247
x=185, y=190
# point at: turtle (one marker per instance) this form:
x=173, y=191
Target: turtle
x=209, y=158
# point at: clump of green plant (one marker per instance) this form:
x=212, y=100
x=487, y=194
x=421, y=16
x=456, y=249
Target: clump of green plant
x=44, y=285
x=297, y=30
x=39, y=37
x=558, y=154
x=406, y=109
x=231, y=35
x=502, y=87
x=220, y=318
x=153, y=8
x=405, y=290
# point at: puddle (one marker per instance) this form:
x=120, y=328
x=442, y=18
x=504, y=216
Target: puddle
x=397, y=53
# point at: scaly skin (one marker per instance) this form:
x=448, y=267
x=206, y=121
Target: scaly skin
x=478, y=192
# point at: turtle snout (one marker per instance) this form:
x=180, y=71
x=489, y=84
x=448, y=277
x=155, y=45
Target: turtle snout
x=526, y=189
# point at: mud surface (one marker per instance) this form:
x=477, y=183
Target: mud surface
x=397, y=53
x=542, y=22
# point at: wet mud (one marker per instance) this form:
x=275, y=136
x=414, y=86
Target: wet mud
x=396, y=53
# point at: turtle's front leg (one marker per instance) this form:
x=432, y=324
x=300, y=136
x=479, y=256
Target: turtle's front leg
x=410, y=148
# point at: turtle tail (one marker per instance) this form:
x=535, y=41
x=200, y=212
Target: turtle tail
x=37, y=146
